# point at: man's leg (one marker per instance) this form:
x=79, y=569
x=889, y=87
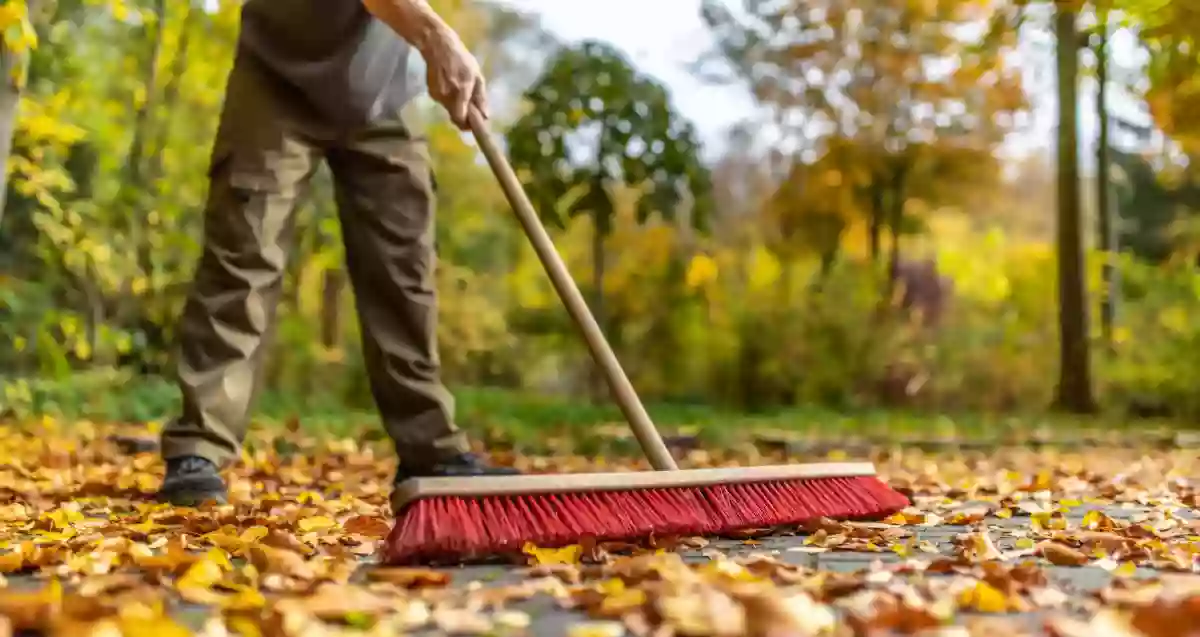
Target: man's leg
x=259, y=169
x=386, y=201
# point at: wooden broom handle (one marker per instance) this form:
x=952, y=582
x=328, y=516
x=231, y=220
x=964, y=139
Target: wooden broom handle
x=643, y=429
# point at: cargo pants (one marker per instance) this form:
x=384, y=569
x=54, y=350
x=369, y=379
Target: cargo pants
x=267, y=148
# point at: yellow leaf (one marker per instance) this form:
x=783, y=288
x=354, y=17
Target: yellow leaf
x=162, y=626
x=1004, y=514
x=623, y=602
x=565, y=555
x=316, y=523
x=243, y=598
x=983, y=598
x=701, y=271
x=220, y=558
x=243, y=626
x=309, y=497
x=63, y=518
x=254, y=534
x=1126, y=569
x=1047, y=521
x=145, y=528
x=596, y=629
x=201, y=574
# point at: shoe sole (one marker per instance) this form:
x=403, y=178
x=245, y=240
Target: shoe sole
x=194, y=492
x=192, y=498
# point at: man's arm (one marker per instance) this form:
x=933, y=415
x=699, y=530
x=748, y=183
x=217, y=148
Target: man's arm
x=454, y=76
x=413, y=20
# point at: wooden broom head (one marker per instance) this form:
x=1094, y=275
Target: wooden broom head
x=543, y=484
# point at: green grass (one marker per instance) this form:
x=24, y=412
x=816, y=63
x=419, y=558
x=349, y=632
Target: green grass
x=542, y=422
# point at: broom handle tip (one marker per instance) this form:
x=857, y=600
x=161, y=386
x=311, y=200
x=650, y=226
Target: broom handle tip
x=623, y=392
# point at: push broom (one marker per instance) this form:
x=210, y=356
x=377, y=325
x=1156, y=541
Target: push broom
x=460, y=519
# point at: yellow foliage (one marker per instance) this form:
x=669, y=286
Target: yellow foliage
x=15, y=14
x=764, y=270
x=701, y=271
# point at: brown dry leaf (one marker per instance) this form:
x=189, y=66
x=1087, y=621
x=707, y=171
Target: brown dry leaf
x=1104, y=541
x=875, y=613
x=368, y=525
x=283, y=540
x=32, y=610
x=268, y=559
x=410, y=577
x=108, y=584
x=769, y=612
x=703, y=611
x=462, y=621
x=1106, y=623
x=1061, y=554
x=979, y=547
x=334, y=602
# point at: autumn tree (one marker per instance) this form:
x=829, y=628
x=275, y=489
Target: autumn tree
x=594, y=123
x=888, y=94
x=19, y=40
x=1074, y=391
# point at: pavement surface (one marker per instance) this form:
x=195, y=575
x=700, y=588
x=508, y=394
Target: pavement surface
x=321, y=509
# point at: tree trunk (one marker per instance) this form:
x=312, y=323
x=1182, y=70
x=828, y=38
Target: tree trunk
x=331, y=308
x=1104, y=209
x=130, y=192
x=876, y=228
x=1074, y=392
x=599, y=387
x=895, y=224
x=170, y=94
x=12, y=66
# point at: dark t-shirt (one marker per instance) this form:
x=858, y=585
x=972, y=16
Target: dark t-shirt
x=352, y=67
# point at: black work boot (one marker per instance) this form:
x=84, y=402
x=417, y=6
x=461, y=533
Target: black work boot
x=190, y=481
x=461, y=466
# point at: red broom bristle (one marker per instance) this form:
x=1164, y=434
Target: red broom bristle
x=463, y=529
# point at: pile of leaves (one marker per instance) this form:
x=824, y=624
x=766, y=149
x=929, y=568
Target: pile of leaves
x=86, y=551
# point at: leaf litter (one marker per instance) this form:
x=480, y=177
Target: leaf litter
x=85, y=551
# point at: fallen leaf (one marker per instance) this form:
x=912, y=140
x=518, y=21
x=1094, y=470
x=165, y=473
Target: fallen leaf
x=367, y=525
x=1062, y=555
x=410, y=577
x=984, y=598
x=596, y=629
x=316, y=523
x=565, y=555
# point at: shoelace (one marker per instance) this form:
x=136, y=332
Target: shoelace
x=194, y=465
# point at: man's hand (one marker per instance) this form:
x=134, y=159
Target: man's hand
x=454, y=77
x=455, y=80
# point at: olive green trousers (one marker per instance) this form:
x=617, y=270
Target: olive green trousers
x=267, y=148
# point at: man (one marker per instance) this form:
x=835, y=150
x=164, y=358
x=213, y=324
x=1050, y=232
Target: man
x=322, y=80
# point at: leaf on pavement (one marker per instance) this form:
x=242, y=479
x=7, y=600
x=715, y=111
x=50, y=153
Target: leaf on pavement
x=565, y=555
x=410, y=577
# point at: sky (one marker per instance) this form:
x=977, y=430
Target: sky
x=664, y=36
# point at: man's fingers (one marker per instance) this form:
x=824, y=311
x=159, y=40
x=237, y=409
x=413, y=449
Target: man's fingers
x=479, y=98
x=462, y=104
